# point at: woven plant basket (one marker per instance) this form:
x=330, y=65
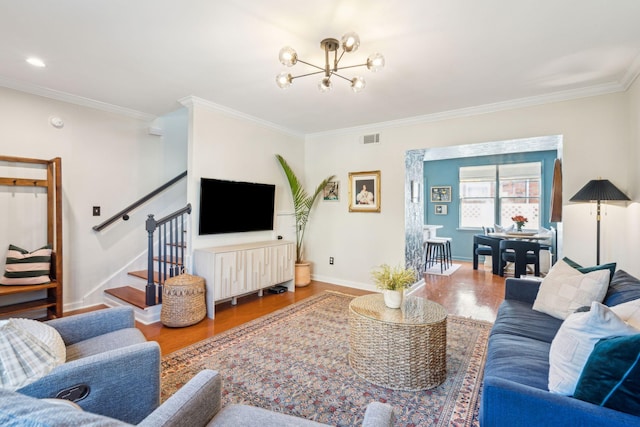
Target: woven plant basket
x=183, y=301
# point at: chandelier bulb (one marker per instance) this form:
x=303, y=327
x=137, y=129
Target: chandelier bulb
x=357, y=84
x=375, y=62
x=350, y=42
x=325, y=85
x=283, y=80
x=288, y=56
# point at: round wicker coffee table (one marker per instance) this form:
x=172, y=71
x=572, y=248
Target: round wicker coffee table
x=400, y=349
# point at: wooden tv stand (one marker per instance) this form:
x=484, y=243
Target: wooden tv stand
x=234, y=270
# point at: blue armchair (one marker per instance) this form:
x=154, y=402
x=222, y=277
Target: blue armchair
x=109, y=365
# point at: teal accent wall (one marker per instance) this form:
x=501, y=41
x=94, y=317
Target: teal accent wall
x=445, y=173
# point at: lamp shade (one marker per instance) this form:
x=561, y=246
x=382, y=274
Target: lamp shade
x=599, y=189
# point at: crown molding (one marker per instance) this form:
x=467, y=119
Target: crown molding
x=74, y=99
x=632, y=73
x=191, y=101
x=513, y=104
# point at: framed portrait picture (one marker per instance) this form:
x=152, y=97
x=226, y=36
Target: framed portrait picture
x=331, y=192
x=441, y=194
x=440, y=209
x=364, y=191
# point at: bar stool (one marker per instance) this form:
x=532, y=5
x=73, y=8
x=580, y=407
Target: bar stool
x=437, y=250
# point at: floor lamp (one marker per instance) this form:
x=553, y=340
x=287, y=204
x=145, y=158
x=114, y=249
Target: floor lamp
x=597, y=190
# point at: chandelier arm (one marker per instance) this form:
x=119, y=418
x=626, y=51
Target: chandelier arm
x=333, y=73
x=351, y=66
x=338, y=60
x=311, y=65
x=308, y=74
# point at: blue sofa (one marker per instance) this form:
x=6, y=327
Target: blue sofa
x=514, y=391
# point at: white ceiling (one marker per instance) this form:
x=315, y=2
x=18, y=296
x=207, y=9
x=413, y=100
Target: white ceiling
x=145, y=55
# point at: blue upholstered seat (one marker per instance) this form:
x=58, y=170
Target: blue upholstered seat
x=521, y=253
x=486, y=246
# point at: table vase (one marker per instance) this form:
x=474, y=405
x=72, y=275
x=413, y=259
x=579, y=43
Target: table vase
x=392, y=299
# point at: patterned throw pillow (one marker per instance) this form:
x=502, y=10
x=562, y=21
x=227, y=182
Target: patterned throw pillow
x=565, y=289
x=28, y=350
x=27, y=268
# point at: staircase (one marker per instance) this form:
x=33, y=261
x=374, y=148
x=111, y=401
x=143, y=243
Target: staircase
x=146, y=300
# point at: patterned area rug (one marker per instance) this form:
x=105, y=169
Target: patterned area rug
x=295, y=361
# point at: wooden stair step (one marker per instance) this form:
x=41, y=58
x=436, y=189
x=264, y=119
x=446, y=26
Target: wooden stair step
x=169, y=260
x=129, y=294
x=142, y=274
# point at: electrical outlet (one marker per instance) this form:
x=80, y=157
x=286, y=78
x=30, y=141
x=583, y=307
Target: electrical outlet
x=330, y=260
x=96, y=211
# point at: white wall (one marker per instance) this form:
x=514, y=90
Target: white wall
x=108, y=160
x=226, y=146
x=597, y=142
x=633, y=211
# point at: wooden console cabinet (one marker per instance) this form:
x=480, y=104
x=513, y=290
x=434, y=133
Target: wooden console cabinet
x=235, y=270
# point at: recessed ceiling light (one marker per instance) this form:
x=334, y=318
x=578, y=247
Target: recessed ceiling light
x=36, y=62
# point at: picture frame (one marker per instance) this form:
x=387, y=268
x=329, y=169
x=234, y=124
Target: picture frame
x=364, y=191
x=440, y=209
x=441, y=194
x=331, y=192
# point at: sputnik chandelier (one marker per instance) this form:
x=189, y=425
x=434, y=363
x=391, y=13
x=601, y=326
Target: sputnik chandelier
x=349, y=43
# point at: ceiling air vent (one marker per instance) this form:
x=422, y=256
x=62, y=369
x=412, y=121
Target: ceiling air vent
x=374, y=138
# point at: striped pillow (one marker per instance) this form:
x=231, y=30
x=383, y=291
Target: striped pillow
x=27, y=268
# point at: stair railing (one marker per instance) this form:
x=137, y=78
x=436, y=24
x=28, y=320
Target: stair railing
x=124, y=213
x=171, y=247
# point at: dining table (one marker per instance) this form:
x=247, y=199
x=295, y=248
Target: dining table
x=520, y=235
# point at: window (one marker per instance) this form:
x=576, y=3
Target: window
x=518, y=194
x=477, y=195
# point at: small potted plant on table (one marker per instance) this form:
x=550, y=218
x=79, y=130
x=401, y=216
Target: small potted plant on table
x=393, y=281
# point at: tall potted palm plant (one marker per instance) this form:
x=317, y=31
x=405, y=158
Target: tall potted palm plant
x=302, y=204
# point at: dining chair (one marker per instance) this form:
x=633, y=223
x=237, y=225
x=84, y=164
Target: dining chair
x=550, y=244
x=488, y=230
x=521, y=253
x=486, y=246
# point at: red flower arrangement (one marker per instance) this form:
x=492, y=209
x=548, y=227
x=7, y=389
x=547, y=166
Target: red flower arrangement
x=520, y=221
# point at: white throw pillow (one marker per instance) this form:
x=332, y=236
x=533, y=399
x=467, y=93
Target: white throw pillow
x=629, y=312
x=28, y=350
x=547, y=234
x=565, y=289
x=574, y=342
x=501, y=229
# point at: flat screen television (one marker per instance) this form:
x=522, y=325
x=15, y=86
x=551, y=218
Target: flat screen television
x=235, y=206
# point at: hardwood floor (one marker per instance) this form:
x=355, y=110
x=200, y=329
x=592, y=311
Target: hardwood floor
x=467, y=293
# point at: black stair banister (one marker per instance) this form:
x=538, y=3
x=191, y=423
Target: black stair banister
x=167, y=251
x=123, y=214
